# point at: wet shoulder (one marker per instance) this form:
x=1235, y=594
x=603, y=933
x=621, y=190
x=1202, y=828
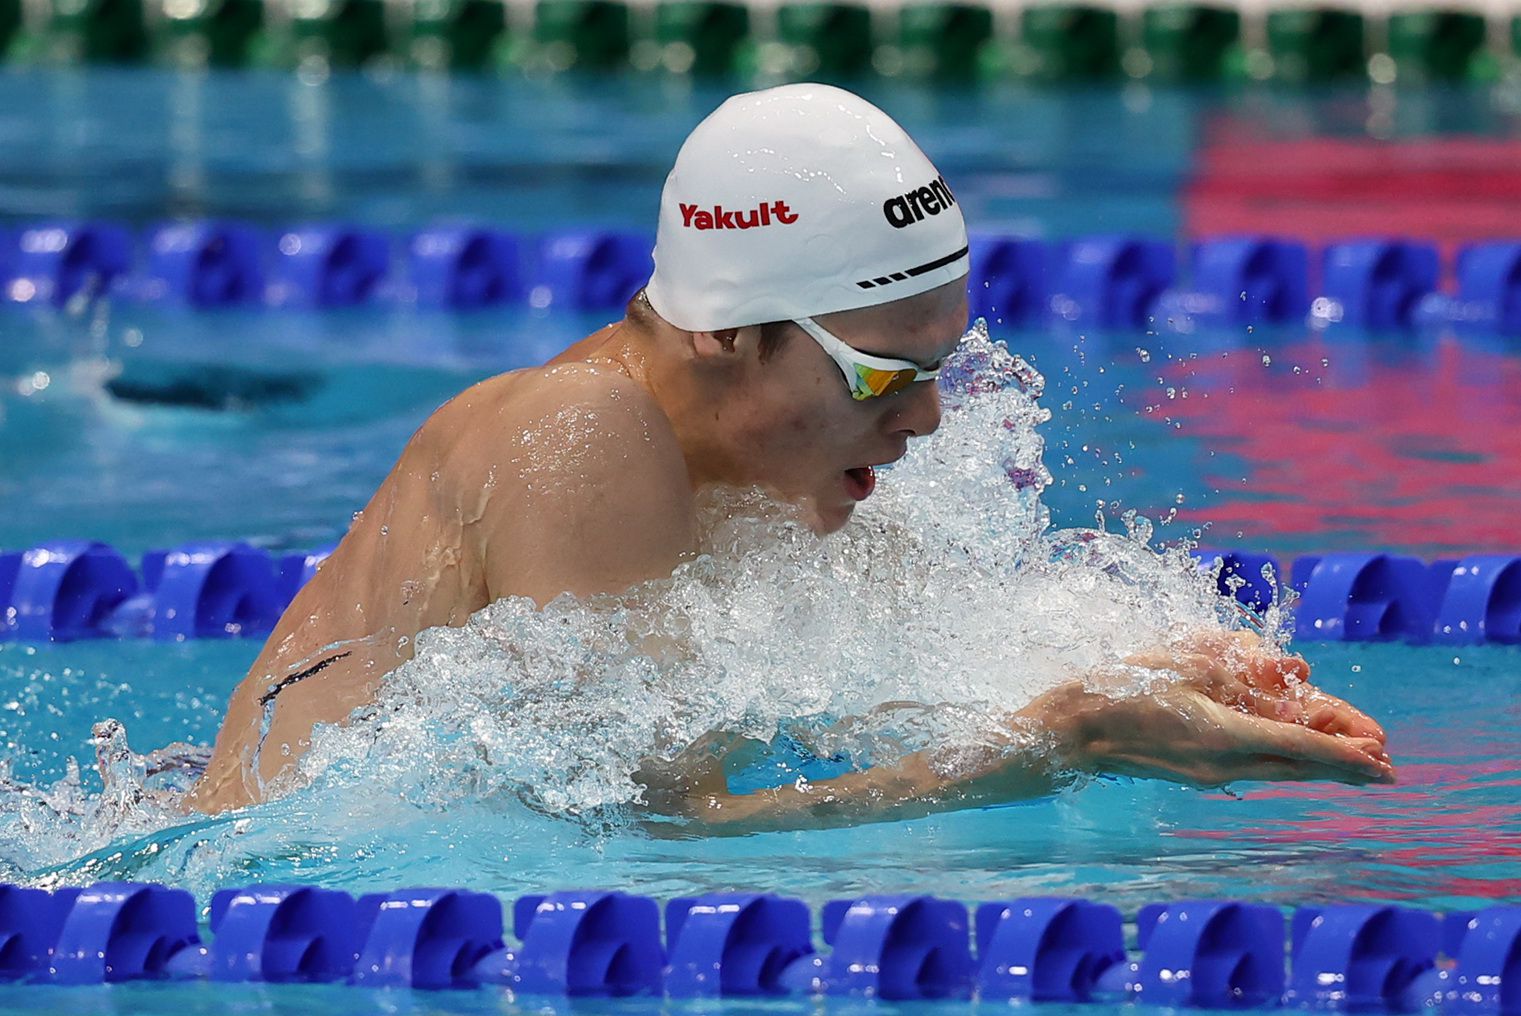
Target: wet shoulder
x=573, y=482
x=586, y=421
x=584, y=406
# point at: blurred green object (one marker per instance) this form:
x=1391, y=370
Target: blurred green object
x=826, y=39
x=1060, y=42
x=93, y=31
x=10, y=23
x=1316, y=44
x=579, y=34
x=700, y=37
x=454, y=34
x=1439, y=46
x=201, y=33
x=330, y=33
x=944, y=40
x=1190, y=42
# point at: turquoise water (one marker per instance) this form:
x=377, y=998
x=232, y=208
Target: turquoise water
x=1290, y=442
x=1449, y=836
x=292, y=1000
x=395, y=151
x=287, y=475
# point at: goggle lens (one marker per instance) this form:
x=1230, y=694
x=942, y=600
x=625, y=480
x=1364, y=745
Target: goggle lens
x=872, y=382
x=867, y=376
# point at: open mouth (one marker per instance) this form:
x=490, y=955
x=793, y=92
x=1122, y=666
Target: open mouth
x=860, y=482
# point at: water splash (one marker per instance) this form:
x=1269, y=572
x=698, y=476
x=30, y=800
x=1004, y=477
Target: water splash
x=946, y=604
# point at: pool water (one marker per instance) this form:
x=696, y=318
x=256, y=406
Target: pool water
x=1445, y=838
x=397, y=152
x=1289, y=441
x=1449, y=836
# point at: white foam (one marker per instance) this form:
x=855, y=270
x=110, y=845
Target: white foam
x=947, y=590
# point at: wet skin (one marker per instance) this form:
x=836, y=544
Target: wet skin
x=582, y=476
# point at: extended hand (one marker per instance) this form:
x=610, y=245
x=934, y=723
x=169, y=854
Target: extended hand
x=1238, y=710
x=1239, y=669
x=1229, y=708
x=1181, y=734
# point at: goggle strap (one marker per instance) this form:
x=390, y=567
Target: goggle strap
x=850, y=360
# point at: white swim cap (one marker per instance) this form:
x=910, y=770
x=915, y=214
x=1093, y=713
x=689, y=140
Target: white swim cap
x=796, y=201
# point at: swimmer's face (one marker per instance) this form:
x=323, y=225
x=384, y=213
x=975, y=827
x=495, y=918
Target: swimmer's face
x=804, y=437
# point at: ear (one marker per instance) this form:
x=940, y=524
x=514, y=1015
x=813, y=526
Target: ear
x=714, y=346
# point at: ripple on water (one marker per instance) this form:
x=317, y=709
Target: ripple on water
x=506, y=754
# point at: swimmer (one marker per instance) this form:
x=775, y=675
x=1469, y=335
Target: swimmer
x=810, y=279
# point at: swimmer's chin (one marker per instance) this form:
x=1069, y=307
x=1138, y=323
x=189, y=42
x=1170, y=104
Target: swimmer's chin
x=823, y=521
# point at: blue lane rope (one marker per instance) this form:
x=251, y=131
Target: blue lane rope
x=1192, y=953
x=77, y=589
x=1105, y=282
x=1383, y=597
x=72, y=590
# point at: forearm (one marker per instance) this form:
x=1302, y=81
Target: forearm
x=1029, y=761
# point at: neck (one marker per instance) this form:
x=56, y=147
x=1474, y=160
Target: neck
x=660, y=358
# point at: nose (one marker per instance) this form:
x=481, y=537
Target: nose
x=915, y=412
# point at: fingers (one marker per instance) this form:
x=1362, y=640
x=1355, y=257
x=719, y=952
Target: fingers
x=1319, y=710
x=1261, y=744
x=1240, y=656
x=1284, y=710
x=1270, y=703
x=1323, y=713
x=1270, y=768
x=1374, y=749
x=1349, y=759
x=1266, y=705
x=1183, y=734
x=1328, y=719
x=1240, y=670
x=1330, y=715
x=1281, y=690
x=1279, y=673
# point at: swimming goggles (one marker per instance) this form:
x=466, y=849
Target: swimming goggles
x=867, y=376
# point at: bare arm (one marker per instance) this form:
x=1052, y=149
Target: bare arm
x=344, y=631
x=1236, y=712
x=1025, y=765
